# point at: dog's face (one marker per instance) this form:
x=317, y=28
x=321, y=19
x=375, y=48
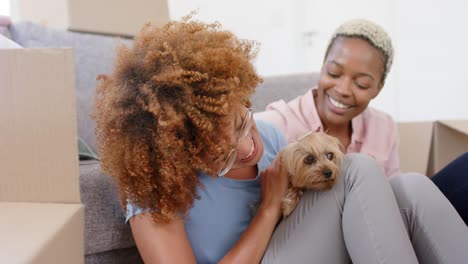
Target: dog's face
x=314, y=161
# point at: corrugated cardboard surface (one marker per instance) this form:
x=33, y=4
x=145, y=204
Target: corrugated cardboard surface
x=38, y=138
x=41, y=233
x=51, y=13
x=114, y=17
x=450, y=141
x=415, y=144
x=427, y=147
x=42, y=219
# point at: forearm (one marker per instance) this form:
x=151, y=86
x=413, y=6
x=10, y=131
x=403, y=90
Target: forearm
x=253, y=242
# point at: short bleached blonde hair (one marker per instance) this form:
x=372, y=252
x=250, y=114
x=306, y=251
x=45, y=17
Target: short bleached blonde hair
x=371, y=32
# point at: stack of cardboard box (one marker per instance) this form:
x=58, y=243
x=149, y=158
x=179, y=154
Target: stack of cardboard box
x=113, y=17
x=41, y=215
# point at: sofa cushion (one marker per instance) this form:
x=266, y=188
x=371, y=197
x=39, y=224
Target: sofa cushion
x=94, y=54
x=119, y=256
x=284, y=87
x=105, y=227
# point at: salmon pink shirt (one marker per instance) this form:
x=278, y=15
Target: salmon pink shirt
x=374, y=132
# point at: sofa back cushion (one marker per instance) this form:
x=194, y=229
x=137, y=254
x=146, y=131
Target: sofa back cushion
x=285, y=87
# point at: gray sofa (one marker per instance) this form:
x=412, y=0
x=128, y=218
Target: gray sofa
x=107, y=238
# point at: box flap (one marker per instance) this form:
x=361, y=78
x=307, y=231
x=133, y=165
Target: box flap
x=415, y=144
x=124, y=18
x=50, y=13
x=459, y=125
x=450, y=141
x=38, y=129
x=41, y=233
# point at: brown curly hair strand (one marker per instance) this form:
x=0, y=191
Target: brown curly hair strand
x=165, y=108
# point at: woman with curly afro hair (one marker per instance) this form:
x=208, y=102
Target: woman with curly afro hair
x=175, y=131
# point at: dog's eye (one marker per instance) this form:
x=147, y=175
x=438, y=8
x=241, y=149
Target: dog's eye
x=309, y=159
x=330, y=155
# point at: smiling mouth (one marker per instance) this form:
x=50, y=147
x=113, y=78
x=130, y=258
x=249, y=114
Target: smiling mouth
x=252, y=152
x=337, y=104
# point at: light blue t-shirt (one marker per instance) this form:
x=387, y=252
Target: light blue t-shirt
x=225, y=208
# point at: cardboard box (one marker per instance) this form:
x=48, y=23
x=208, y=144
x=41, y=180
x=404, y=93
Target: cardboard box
x=41, y=233
x=42, y=217
x=113, y=17
x=450, y=140
x=415, y=146
x=427, y=147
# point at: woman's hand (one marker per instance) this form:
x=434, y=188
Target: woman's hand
x=274, y=184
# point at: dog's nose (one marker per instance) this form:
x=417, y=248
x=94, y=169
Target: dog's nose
x=327, y=173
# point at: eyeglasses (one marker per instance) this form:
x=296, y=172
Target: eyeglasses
x=243, y=132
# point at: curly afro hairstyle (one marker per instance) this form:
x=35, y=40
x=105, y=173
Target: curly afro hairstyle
x=162, y=113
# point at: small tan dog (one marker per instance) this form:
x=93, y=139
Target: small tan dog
x=313, y=163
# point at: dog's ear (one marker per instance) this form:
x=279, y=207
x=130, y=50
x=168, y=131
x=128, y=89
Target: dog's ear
x=289, y=157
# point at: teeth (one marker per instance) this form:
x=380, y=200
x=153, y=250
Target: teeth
x=338, y=104
x=252, y=148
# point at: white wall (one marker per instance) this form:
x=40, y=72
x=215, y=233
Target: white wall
x=432, y=48
x=4, y=7
x=429, y=78
x=270, y=22
x=293, y=34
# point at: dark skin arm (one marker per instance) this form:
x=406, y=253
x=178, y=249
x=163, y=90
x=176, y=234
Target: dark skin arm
x=168, y=243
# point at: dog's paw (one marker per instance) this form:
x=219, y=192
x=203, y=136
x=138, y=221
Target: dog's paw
x=287, y=207
x=290, y=201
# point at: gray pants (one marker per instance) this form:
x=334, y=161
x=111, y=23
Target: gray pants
x=360, y=220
